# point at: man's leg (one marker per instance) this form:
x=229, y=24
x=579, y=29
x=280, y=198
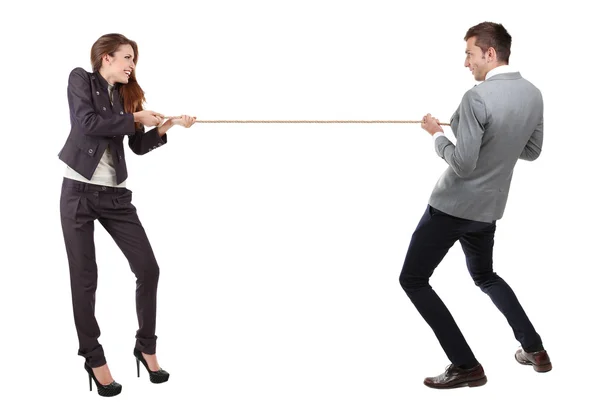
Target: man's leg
x=478, y=248
x=435, y=234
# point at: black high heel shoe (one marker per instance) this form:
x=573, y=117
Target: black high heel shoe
x=111, y=389
x=159, y=376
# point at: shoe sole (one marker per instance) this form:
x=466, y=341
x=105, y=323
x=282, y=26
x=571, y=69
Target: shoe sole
x=538, y=368
x=109, y=393
x=472, y=383
x=158, y=380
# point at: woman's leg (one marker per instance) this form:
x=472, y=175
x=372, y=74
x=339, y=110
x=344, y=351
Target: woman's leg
x=119, y=218
x=77, y=211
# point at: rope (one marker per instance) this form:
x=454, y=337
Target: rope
x=307, y=121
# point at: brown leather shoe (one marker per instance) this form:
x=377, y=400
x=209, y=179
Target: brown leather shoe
x=539, y=360
x=455, y=377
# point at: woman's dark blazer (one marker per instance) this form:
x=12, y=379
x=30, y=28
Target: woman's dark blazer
x=95, y=125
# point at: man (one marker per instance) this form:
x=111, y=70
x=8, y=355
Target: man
x=498, y=122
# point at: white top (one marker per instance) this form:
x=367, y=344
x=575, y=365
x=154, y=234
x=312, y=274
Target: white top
x=105, y=173
x=499, y=69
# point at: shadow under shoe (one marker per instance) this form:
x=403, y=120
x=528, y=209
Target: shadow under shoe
x=539, y=360
x=159, y=376
x=111, y=389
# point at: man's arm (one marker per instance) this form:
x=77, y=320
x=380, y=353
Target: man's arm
x=463, y=157
x=533, y=148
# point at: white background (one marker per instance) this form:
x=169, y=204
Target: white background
x=280, y=245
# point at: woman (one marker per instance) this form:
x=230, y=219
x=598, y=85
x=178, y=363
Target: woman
x=105, y=106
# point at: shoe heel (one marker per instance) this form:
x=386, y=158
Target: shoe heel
x=477, y=383
x=108, y=390
x=543, y=368
x=159, y=376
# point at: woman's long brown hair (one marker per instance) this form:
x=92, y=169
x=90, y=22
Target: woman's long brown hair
x=131, y=92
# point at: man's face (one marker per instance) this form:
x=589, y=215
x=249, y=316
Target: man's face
x=476, y=60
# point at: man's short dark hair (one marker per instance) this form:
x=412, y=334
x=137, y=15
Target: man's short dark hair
x=491, y=35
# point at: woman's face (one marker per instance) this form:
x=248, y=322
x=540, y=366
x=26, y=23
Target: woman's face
x=118, y=68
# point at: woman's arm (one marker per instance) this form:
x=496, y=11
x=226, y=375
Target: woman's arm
x=143, y=142
x=81, y=105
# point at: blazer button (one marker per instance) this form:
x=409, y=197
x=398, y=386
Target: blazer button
x=121, y=112
x=97, y=93
x=103, y=108
x=90, y=151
